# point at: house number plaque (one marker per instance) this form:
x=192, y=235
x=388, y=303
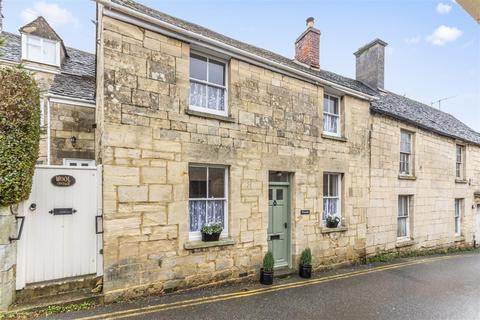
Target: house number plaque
x=304, y=211
x=63, y=180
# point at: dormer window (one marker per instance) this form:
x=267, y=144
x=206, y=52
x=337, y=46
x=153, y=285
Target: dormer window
x=40, y=50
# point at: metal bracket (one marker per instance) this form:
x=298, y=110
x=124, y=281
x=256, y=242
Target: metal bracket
x=19, y=231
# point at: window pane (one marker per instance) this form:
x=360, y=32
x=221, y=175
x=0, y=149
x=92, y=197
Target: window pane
x=330, y=123
x=278, y=176
x=330, y=207
x=405, y=142
x=216, y=98
x=216, y=182
x=325, y=185
x=334, y=105
x=34, y=52
x=402, y=227
x=49, y=52
x=333, y=187
x=198, y=67
x=216, y=72
x=197, y=213
x=270, y=194
x=198, y=94
x=215, y=212
x=279, y=194
x=198, y=182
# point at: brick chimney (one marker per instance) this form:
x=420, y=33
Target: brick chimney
x=307, y=46
x=370, y=64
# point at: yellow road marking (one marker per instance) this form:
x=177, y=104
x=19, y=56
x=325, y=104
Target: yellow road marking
x=242, y=294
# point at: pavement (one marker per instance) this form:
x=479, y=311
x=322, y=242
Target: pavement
x=439, y=287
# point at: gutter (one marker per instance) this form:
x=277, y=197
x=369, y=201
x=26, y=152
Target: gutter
x=142, y=20
x=70, y=100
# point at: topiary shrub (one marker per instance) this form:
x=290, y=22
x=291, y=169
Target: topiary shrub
x=19, y=134
x=306, y=257
x=268, y=262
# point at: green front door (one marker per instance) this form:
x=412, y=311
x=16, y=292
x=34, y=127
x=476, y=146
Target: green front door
x=278, y=224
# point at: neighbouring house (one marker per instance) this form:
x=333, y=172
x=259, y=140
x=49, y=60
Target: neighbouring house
x=66, y=77
x=195, y=128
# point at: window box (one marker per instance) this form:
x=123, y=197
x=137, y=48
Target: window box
x=198, y=244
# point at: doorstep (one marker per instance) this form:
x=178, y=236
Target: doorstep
x=283, y=272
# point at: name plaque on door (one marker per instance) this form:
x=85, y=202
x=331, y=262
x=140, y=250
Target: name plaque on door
x=304, y=211
x=63, y=180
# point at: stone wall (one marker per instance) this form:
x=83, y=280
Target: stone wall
x=434, y=190
x=147, y=141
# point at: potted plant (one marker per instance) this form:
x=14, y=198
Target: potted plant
x=211, y=232
x=332, y=221
x=266, y=273
x=305, y=269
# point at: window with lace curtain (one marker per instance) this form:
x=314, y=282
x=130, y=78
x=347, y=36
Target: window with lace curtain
x=332, y=195
x=208, y=91
x=331, y=115
x=403, y=218
x=207, y=198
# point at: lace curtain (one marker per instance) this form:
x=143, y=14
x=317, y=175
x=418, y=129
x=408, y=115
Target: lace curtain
x=206, y=212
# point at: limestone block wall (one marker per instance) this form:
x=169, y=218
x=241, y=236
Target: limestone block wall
x=147, y=140
x=434, y=190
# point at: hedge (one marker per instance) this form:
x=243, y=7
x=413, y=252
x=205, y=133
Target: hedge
x=19, y=134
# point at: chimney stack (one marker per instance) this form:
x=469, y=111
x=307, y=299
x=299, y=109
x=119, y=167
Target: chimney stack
x=370, y=64
x=307, y=46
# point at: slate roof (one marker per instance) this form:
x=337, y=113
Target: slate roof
x=423, y=116
x=77, y=74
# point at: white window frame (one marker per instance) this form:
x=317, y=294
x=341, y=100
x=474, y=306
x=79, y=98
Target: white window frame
x=197, y=235
x=25, y=55
x=458, y=216
x=460, y=163
x=407, y=217
x=225, y=87
x=338, y=116
x=69, y=161
x=339, y=197
x=409, y=155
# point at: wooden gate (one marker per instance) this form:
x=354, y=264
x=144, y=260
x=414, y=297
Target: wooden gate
x=60, y=236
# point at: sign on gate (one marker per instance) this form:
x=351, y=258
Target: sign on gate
x=59, y=238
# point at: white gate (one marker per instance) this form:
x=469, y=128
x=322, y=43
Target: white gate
x=59, y=238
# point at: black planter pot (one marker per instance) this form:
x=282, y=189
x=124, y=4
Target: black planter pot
x=210, y=237
x=332, y=224
x=305, y=271
x=266, y=277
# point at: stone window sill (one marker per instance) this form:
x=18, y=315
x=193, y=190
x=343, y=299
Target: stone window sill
x=463, y=181
x=404, y=243
x=209, y=116
x=330, y=230
x=199, y=244
x=332, y=137
x=459, y=238
x=406, y=177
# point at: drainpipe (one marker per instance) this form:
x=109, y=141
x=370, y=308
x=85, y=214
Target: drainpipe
x=48, y=131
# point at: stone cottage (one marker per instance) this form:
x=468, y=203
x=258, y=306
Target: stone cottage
x=66, y=77
x=194, y=128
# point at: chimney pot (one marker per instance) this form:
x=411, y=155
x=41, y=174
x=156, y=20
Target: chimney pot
x=307, y=45
x=370, y=64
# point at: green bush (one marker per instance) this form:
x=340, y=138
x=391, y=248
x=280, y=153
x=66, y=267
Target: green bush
x=19, y=134
x=268, y=262
x=306, y=257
